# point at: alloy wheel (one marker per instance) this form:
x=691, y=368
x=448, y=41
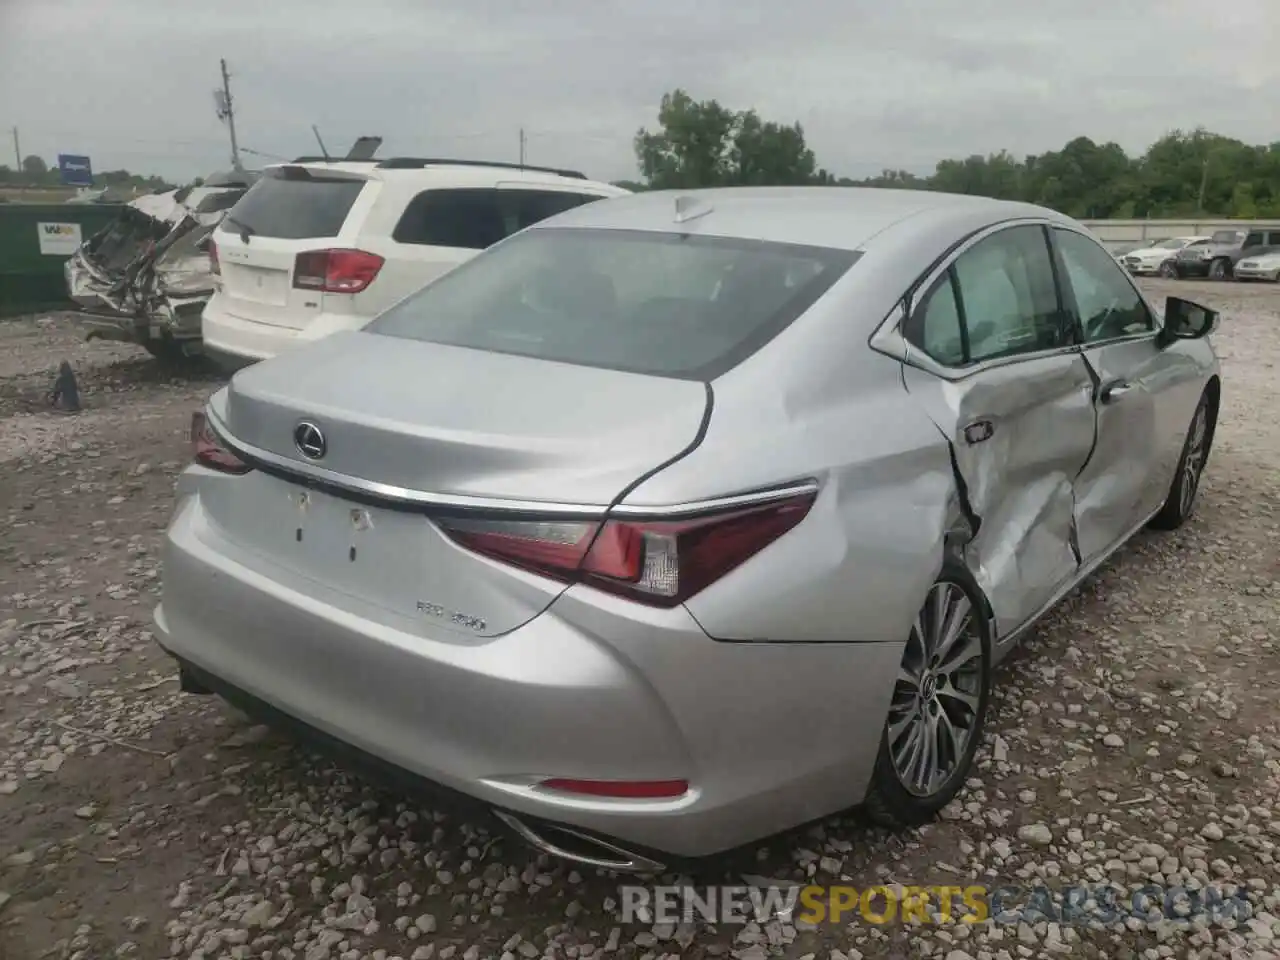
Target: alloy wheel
x=938, y=693
x=1193, y=461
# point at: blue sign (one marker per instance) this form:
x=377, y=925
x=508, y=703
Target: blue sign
x=76, y=171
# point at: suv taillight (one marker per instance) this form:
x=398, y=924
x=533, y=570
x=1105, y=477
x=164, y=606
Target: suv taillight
x=214, y=267
x=208, y=450
x=335, y=271
x=660, y=562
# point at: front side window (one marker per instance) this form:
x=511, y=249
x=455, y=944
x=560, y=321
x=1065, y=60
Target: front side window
x=1107, y=303
x=666, y=304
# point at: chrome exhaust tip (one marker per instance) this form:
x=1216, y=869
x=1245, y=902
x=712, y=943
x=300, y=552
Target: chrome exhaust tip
x=594, y=852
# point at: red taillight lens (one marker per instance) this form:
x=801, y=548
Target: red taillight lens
x=214, y=266
x=660, y=563
x=620, y=789
x=208, y=451
x=335, y=271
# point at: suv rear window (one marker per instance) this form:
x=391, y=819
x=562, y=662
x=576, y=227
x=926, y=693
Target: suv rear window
x=298, y=205
x=476, y=218
x=657, y=303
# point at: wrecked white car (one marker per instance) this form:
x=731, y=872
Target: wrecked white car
x=146, y=277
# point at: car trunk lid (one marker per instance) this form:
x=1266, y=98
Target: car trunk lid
x=461, y=422
x=412, y=422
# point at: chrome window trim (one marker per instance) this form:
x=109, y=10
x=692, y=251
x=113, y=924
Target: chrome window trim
x=407, y=497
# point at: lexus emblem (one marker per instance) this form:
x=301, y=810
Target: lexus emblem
x=309, y=440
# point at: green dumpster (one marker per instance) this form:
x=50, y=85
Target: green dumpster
x=35, y=241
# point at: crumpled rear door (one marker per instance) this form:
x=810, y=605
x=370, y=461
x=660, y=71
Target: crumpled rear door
x=1019, y=434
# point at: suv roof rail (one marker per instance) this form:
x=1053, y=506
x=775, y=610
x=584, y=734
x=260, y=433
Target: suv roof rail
x=311, y=159
x=418, y=163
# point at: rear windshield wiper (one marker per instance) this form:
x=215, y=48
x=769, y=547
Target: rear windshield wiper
x=246, y=231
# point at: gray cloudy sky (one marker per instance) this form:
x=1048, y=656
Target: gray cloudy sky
x=876, y=84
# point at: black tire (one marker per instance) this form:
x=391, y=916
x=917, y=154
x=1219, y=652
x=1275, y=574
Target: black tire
x=170, y=353
x=1169, y=271
x=1180, y=504
x=1220, y=269
x=890, y=801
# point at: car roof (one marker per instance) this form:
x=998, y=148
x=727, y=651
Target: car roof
x=837, y=217
x=459, y=175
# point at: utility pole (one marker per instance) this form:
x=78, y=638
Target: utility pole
x=522, y=146
x=17, y=150
x=226, y=111
x=1204, y=182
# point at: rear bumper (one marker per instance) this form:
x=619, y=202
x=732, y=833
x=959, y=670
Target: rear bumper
x=769, y=735
x=238, y=340
x=1144, y=269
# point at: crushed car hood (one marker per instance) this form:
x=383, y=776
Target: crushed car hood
x=153, y=259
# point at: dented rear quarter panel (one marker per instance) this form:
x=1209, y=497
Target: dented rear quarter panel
x=819, y=404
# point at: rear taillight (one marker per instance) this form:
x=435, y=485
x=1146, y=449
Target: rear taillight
x=335, y=271
x=208, y=450
x=660, y=562
x=214, y=267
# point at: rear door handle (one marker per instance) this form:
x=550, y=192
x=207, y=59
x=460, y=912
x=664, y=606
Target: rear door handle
x=978, y=431
x=1115, y=391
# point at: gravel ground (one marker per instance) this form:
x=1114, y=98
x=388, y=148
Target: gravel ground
x=1134, y=737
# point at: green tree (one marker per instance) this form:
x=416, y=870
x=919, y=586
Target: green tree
x=704, y=144
x=34, y=167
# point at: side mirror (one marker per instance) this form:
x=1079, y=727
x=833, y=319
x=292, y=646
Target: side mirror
x=1184, y=320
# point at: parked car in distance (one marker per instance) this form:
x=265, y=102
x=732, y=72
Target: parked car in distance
x=1150, y=260
x=1154, y=259
x=685, y=518
x=1217, y=258
x=146, y=277
x=318, y=246
x=1260, y=266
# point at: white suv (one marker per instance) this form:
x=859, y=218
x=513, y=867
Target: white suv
x=316, y=246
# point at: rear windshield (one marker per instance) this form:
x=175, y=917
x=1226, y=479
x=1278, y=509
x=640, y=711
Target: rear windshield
x=219, y=201
x=657, y=303
x=295, y=206
x=1227, y=236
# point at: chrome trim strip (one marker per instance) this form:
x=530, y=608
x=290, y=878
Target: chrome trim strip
x=755, y=498
x=421, y=498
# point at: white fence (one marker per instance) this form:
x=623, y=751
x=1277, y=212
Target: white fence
x=1118, y=233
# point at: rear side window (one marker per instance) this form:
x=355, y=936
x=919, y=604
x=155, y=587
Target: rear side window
x=295, y=207
x=658, y=303
x=1000, y=299
x=473, y=219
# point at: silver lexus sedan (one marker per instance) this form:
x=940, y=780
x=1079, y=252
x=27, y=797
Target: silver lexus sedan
x=683, y=518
